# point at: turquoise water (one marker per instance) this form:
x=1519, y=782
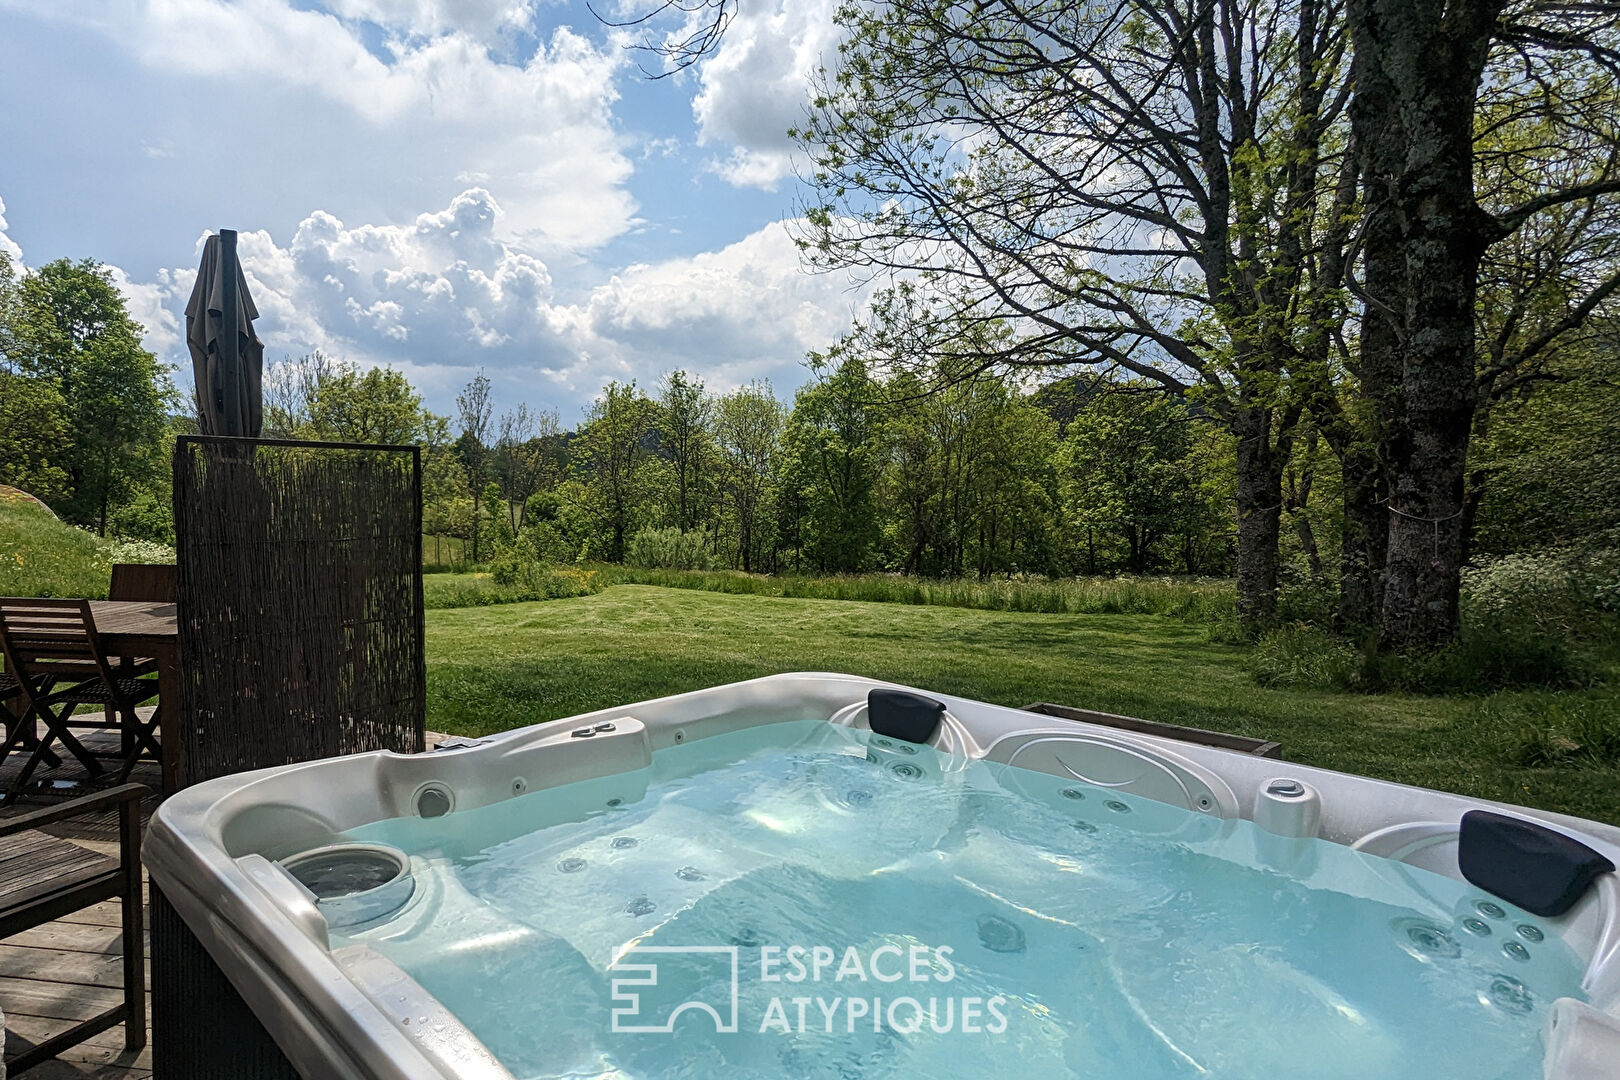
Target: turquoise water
x=1032, y=927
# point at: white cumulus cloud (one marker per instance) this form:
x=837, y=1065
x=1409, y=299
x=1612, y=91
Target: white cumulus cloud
x=445, y=296
x=286, y=102
x=8, y=246
x=743, y=312
x=483, y=18
x=756, y=86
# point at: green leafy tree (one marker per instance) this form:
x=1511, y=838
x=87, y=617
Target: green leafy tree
x=685, y=423
x=474, y=410
x=747, y=435
x=317, y=397
x=528, y=458
x=35, y=437
x=497, y=530
x=377, y=405
x=966, y=482
x=8, y=312
x=69, y=329
x=1553, y=459
x=1012, y=493
x=1124, y=468
x=831, y=442
x=615, y=451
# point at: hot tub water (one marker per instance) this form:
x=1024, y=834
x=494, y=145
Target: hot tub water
x=1122, y=938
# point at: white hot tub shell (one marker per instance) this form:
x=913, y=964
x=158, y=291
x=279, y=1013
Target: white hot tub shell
x=215, y=849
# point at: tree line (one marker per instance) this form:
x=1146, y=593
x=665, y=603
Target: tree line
x=1363, y=253
x=872, y=466
x=977, y=477
x=854, y=474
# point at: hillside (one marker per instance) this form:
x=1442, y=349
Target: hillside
x=41, y=556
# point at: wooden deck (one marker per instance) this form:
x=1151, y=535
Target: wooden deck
x=71, y=969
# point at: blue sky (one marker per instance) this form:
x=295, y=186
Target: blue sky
x=441, y=185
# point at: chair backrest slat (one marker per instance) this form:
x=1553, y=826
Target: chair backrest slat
x=155, y=582
x=35, y=633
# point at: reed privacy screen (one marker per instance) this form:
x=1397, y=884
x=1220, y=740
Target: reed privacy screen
x=300, y=595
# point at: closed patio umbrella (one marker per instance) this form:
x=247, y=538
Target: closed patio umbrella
x=227, y=357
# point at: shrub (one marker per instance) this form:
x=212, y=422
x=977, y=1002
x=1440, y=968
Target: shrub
x=507, y=568
x=1486, y=658
x=542, y=541
x=1297, y=655
x=141, y=551
x=1570, y=592
x=667, y=549
x=146, y=516
x=1313, y=601
x=1575, y=729
x=511, y=582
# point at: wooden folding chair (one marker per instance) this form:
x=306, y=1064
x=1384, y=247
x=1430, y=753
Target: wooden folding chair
x=44, y=877
x=51, y=647
x=151, y=582
x=14, y=731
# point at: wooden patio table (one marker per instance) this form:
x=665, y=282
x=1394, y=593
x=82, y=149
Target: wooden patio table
x=145, y=628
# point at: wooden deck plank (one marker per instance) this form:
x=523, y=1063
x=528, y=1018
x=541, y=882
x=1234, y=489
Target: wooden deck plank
x=105, y=913
x=56, y=965
x=72, y=969
x=55, y=1000
x=73, y=1070
x=103, y=1048
x=73, y=937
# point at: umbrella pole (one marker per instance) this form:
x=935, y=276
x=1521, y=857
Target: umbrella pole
x=230, y=344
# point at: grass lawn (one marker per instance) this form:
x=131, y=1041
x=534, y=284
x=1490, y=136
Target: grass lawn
x=41, y=556
x=493, y=668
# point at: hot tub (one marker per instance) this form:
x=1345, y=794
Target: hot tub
x=817, y=875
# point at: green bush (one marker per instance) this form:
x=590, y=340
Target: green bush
x=1486, y=658
x=515, y=583
x=1570, y=592
x=146, y=516
x=543, y=541
x=141, y=551
x=1299, y=656
x=1574, y=729
x=667, y=549
x=1312, y=601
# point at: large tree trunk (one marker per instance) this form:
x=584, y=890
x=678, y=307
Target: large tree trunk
x=1366, y=533
x=1444, y=241
x=1297, y=503
x=1417, y=76
x=1259, y=510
